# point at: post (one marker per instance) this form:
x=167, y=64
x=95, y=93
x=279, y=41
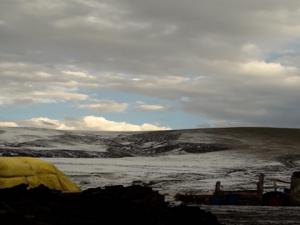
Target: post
x=260, y=184
x=218, y=187
x=295, y=188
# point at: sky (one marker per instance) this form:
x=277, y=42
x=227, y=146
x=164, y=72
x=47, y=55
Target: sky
x=135, y=65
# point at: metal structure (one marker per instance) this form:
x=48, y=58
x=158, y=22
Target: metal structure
x=289, y=197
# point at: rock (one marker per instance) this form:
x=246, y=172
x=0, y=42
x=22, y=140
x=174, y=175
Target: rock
x=133, y=205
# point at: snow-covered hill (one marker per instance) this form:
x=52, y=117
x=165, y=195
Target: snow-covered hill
x=52, y=143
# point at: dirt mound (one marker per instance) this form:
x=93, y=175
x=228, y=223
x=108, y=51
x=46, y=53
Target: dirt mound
x=134, y=205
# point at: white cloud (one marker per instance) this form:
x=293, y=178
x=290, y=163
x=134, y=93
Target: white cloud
x=8, y=124
x=100, y=123
x=78, y=74
x=93, y=123
x=265, y=69
x=44, y=122
x=251, y=50
x=105, y=106
x=58, y=95
x=150, y=107
x=25, y=83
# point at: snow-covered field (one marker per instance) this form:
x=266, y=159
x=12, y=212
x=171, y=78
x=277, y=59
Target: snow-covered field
x=176, y=173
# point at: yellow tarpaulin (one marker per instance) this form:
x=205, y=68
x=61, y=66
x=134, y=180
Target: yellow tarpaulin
x=33, y=172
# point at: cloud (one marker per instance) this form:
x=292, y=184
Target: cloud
x=100, y=123
x=24, y=83
x=251, y=50
x=92, y=123
x=44, y=122
x=78, y=74
x=235, y=61
x=239, y=93
x=266, y=69
x=47, y=96
x=8, y=124
x=150, y=107
x=105, y=106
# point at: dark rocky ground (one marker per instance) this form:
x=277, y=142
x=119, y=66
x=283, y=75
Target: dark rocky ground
x=255, y=215
x=133, y=205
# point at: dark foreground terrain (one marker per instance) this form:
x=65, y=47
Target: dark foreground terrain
x=255, y=215
x=134, y=205
x=175, y=161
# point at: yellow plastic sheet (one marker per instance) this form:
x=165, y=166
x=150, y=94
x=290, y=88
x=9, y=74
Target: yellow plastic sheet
x=33, y=172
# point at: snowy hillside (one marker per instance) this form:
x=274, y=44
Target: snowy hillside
x=52, y=143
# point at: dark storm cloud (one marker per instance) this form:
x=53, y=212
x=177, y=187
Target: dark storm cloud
x=212, y=57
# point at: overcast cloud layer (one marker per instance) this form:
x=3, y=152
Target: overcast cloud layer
x=233, y=62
